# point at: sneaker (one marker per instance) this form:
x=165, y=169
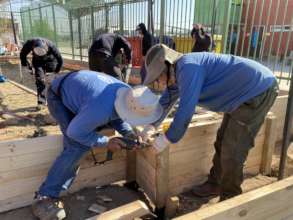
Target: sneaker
x=206, y=190
x=46, y=208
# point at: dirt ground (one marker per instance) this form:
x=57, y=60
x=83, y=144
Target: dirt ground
x=20, y=119
x=77, y=204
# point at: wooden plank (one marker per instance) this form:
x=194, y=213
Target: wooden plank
x=23, y=87
x=279, y=110
x=25, y=163
x=125, y=212
x=146, y=176
x=271, y=202
x=27, y=198
x=27, y=172
x=193, y=158
x=162, y=178
x=130, y=166
x=269, y=144
x=28, y=160
x=17, y=202
x=24, y=185
x=149, y=154
x=33, y=145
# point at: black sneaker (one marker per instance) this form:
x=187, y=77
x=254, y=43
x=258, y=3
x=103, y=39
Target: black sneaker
x=46, y=208
x=206, y=190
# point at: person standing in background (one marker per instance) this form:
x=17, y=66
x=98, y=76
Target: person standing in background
x=147, y=42
x=202, y=40
x=46, y=58
x=103, y=51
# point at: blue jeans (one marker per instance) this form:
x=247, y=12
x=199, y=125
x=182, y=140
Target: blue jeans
x=65, y=167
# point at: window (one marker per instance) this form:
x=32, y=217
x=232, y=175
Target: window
x=280, y=28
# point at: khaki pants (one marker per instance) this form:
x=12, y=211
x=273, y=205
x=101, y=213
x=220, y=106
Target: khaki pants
x=235, y=138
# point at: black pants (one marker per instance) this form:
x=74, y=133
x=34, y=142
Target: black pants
x=101, y=62
x=235, y=138
x=41, y=68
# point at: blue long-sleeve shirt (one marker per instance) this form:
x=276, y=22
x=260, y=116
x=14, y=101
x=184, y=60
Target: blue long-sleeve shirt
x=220, y=83
x=91, y=96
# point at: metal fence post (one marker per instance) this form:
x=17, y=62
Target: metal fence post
x=286, y=132
x=226, y=25
x=150, y=17
x=287, y=46
x=31, y=22
x=233, y=11
x=259, y=25
x=213, y=22
x=79, y=34
x=71, y=33
x=92, y=22
x=107, y=18
x=251, y=28
x=40, y=13
x=238, y=28
x=273, y=32
x=121, y=16
x=54, y=25
x=12, y=23
x=281, y=37
x=162, y=20
x=22, y=24
x=264, y=37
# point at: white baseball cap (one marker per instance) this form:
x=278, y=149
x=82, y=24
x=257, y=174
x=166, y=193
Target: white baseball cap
x=155, y=61
x=138, y=106
x=40, y=51
x=40, y=47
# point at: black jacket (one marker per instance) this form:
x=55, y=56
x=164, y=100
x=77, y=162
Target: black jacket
x=53, y=54
x=111, y=44
x=203, y=40
x=147, y=40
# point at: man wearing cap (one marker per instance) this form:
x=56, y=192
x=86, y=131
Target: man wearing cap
x=242, y=89
x=45, y=59
x=97, y=100
x=103, y=51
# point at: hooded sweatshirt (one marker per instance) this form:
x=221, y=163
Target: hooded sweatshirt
x=110, y=44
x=147, y=40
x=53, y=54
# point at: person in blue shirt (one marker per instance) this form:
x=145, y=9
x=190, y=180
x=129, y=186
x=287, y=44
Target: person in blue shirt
x=83, y=102
x=242, y=89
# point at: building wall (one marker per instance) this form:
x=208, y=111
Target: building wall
x=267, y=20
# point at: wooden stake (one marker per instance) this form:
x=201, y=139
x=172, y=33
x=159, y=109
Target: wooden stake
x=125, y=212
x=172, y=206
x=162, y=178
x=130, y=166
x=269, y=144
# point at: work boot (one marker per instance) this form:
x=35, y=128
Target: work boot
x=206, y=190
x=46, y=208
